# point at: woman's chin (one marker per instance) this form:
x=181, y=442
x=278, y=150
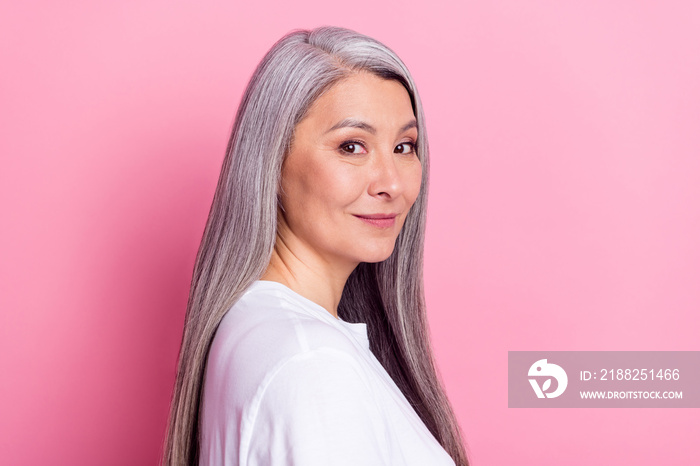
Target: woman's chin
x=379, y=255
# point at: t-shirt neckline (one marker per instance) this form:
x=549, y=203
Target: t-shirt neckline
x=359, y=328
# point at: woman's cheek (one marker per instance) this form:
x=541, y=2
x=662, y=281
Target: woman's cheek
x=343, y=181
x=416, y=178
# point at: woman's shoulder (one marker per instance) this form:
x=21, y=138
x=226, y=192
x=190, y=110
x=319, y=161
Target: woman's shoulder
x=282, y=375
x=269, y=326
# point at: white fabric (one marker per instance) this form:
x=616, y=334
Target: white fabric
x=289, y=384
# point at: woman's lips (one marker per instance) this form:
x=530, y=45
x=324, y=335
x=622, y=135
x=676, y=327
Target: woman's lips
x=379, y=220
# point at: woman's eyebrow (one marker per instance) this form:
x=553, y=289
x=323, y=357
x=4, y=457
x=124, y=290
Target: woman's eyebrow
x=409, y=125
x=354, y=123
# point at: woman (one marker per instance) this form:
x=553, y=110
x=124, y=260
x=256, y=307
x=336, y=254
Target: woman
x=305, y=338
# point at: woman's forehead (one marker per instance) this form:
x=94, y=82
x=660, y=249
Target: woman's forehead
x=360, y=100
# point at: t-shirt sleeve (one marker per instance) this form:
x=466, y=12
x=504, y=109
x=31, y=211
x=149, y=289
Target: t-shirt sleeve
x=317, y=409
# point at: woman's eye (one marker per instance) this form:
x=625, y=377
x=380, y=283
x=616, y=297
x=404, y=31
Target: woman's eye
x=405, y=148
x=352, y=148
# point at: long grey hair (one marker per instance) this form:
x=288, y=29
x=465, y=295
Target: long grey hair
x=240, y=235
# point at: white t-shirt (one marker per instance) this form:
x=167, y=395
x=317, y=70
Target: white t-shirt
x=289, y=384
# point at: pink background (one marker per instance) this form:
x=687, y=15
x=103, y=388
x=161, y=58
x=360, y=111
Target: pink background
x=564, y=206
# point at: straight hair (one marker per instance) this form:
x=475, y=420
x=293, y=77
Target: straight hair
x=240, y=233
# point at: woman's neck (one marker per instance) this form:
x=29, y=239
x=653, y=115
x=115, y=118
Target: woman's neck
x=320, y=281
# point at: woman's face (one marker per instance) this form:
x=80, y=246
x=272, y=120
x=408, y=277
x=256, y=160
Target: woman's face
x=352, y=173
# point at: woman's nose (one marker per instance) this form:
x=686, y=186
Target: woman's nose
x=385, y=175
